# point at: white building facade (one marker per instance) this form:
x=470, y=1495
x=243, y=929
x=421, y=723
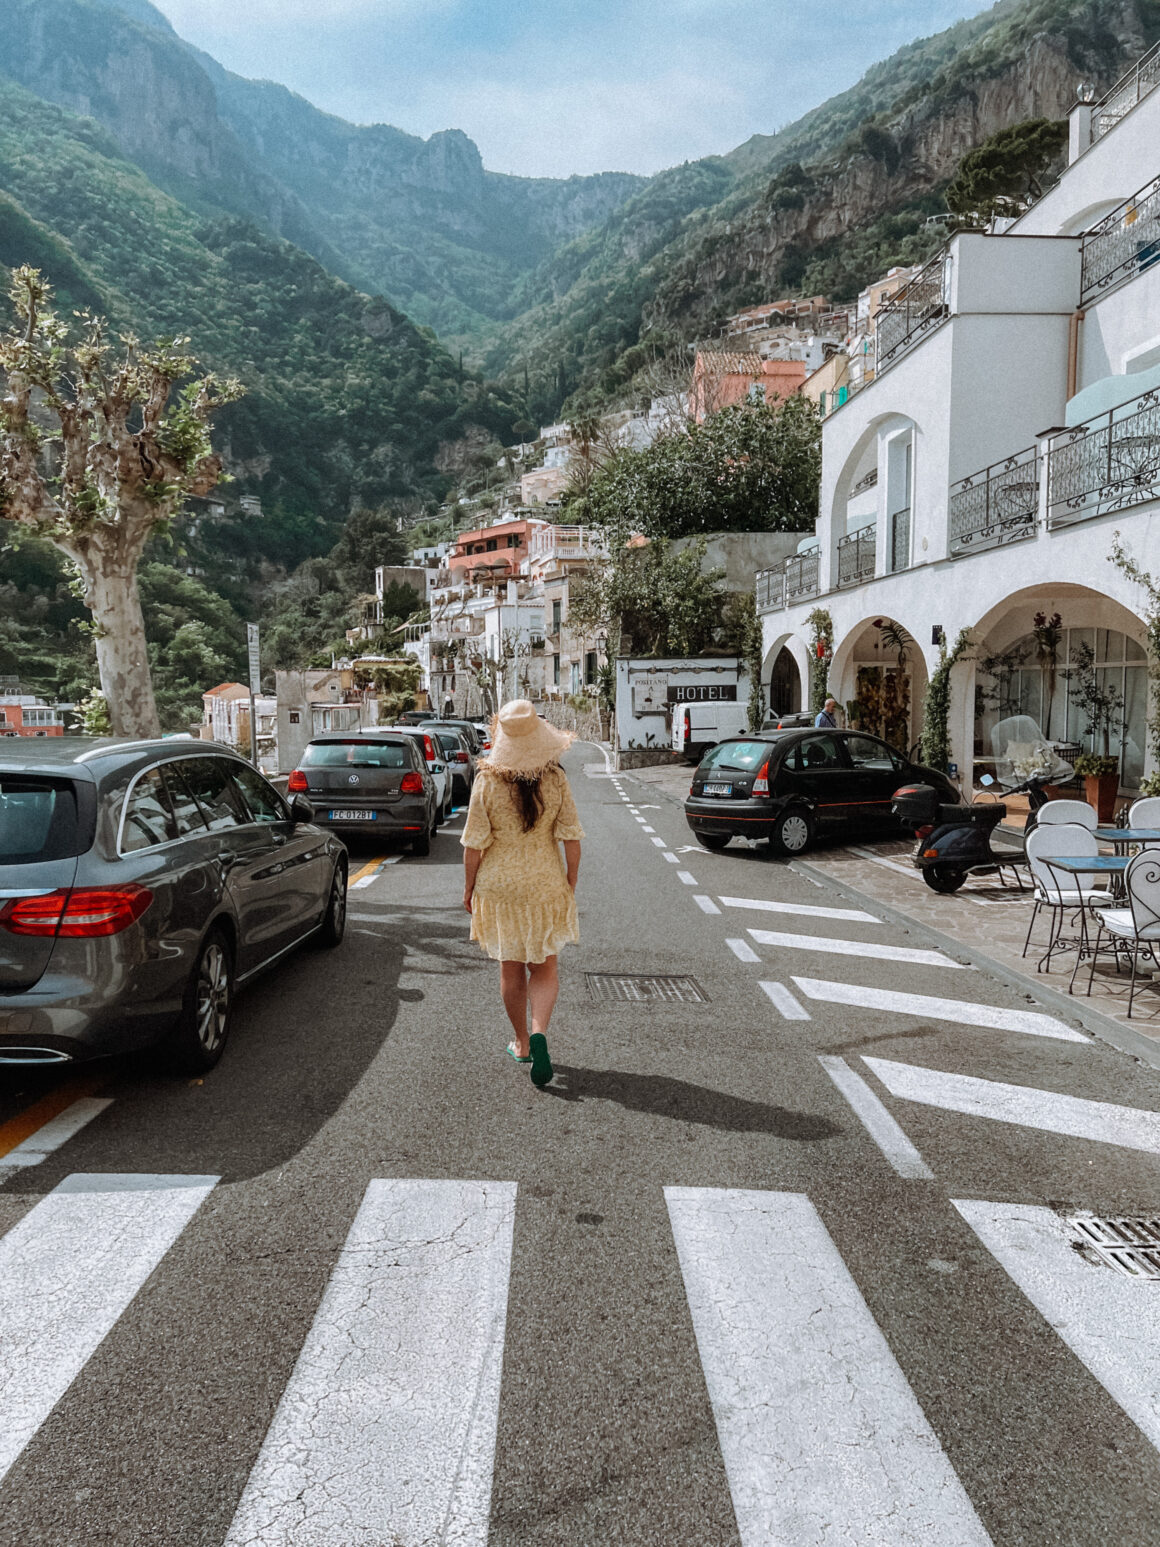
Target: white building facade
x=1012, y=428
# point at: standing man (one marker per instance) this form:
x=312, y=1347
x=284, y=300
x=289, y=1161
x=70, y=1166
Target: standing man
x=448, y=707
x=826, y=719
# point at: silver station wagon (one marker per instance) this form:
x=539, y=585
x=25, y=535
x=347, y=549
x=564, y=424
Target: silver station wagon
x=141, y=884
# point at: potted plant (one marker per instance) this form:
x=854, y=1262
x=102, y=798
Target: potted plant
x=1101, y=782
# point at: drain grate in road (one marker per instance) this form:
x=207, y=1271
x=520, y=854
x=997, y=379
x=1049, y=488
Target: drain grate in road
x=644, y=988
x=1130, y=1244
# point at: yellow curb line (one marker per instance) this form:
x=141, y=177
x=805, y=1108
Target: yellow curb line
x=368, y=869
x=33, y=1118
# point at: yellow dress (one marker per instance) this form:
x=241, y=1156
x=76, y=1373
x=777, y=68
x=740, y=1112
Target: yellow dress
x=522, y=909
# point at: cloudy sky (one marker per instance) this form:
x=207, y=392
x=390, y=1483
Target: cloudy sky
x=551, y=87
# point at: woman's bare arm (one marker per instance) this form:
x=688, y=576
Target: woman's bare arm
x=572, y=860
x=471, y=859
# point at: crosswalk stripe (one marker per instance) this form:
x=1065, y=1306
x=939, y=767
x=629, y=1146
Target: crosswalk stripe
x=1076, y=1116
x=803, y=909
x=386, y=1430
x=68, y=1270
x=877, y=1121
x=835, y=947
x=929, y=1007
x=823, y=1439
x=1111, y=1323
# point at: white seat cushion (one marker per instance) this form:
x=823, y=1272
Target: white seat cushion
x=1119, y=921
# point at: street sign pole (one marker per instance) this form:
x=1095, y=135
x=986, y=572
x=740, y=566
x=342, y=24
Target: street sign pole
x=254, y=644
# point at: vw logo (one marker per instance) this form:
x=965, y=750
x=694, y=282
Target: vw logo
x=352, y=778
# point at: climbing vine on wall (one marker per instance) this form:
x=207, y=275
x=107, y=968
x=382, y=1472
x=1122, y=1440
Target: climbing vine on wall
x=1126, y=564
x=936, y=750
x=821, y=653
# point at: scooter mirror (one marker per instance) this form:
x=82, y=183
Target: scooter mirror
x=987, y=779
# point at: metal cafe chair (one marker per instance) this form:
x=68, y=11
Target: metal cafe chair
x=1057, y=812
x=1145, y=812
x=1135, y=928
x=1063, y=840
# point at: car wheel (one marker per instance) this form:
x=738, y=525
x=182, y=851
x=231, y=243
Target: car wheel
x=201, y=1032
x=422, y=844
x=449, y=804
x=333, y=926
x=942, y=879
x=793, y=832
x=712, y=840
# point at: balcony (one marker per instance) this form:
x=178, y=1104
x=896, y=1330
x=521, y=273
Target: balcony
x=1125, y=243
x=996, y=506
x=801, y=574
x=856, y=555
x=1109, y=463
x=769, y=589
x=565, y=542
x=1127, y=93
x=920, y=306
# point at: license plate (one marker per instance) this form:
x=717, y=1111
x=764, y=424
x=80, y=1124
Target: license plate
x=718, y=789
x=354, y=816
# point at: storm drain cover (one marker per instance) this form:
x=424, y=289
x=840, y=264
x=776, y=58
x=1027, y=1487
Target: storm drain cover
x=1130, y=1244
x=644, y=988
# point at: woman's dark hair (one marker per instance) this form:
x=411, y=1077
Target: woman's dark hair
x=529, y=800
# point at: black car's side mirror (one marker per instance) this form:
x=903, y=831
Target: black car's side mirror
x=300, y=809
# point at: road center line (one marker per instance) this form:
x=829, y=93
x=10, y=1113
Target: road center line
x=822, y=1437
x=806, y=910
x=781, y=999
x=706, y=904
x=928, y=1007
x=673, y=859
x=877, y=1121
x=823, y=943
x=1076, y=1116
x=660, y=843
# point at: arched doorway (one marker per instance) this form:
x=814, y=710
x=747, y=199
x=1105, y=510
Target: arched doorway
x=785, y=685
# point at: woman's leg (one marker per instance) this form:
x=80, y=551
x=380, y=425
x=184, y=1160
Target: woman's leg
x=513, y=982
x=543, y=990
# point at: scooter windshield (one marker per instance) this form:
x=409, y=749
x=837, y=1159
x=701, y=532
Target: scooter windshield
x=1022, y=752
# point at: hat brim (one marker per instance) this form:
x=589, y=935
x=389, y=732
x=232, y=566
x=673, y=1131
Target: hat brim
x=527, y=755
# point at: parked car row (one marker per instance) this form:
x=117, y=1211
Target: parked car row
x=790, y=786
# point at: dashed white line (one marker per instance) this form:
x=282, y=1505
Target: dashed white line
x=706, y=904
x=673, y=859
x=876, y=1120
x=743, y=951
x=780, y=997
x=684, y=875
x=660, y=843
x=649, y=829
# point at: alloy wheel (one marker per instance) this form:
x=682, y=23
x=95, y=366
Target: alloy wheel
x=213, y=997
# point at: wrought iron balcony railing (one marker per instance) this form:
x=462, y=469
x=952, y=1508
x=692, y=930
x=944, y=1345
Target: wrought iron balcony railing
x=801, y=574
x=769, y=589
x=995, y=506
x=1109, y=463
x=856, y=555
x=1127, y=93
x=921, y=305
x=1123, y=244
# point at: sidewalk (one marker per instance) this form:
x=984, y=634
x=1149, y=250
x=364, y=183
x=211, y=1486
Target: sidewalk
x=984, y=921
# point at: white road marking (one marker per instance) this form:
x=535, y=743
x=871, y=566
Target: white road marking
x=876, y=1120
x=367, y=918
x=386, y=1430
x=57, y=1131
x=822, y=1437
x=68, y=1271
x=805, y=909
x=673, y=859
x=685, y=875
x=648, y=829
x=743, y=951
x=1111, y=1324
x=781, y=999
x=928, y=1007
x=1076, y=1116
x=890, y=953
x=660, y=843
x=890, y=864
x=706, y=904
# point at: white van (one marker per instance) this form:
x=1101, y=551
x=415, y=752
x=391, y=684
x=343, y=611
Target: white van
x=697, y=727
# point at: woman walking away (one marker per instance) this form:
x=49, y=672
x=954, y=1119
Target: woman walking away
x=521, y=898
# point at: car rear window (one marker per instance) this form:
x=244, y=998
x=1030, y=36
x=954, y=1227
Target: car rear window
x=38, y=819
x=356, y=754
x=743, y=756
x=448, y=743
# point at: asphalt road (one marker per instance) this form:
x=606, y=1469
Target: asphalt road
x=791, y=1265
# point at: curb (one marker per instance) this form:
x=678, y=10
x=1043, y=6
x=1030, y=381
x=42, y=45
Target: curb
x=1124, y=1039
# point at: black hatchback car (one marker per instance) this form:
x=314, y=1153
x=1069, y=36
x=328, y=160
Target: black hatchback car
x=790, y=786
x=141, y=883
x=373, y=782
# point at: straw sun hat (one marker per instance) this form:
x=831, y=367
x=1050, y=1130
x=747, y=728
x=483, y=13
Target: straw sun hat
x=523, y=745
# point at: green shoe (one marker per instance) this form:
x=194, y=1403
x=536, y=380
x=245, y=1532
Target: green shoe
x=511, y=1053
x=541, y=1064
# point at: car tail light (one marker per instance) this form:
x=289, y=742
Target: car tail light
x=462, y=757
x=930, y=854
x=761, y=783
x=429, y=751
x=923, y=832
x=412, y=784
x=82, y=912
x=296, y=784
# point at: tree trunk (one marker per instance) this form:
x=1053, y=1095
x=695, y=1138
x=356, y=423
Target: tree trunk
x=113, y=599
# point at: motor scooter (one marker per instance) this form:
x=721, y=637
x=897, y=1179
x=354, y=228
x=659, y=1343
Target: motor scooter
x=954, y=842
